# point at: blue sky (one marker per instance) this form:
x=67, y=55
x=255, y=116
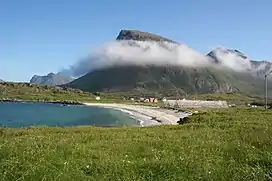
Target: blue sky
x=38, y=37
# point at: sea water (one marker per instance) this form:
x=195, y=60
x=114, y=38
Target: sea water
x=25, y=114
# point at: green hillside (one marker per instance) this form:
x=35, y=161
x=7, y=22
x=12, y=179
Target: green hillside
x=167, y=81
x=28, y=91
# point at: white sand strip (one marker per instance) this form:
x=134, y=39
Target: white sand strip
x=162, y=116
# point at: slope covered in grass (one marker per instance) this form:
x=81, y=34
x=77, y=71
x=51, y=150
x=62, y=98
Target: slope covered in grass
x=220, y=145
x=167, y=80
x=27, y=91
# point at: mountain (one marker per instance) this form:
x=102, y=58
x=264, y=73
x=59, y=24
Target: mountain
x=172, y=80
x=141, y=36
x=162, y=80
x=214, y=53
x=1, y=80
x=257, y=68
x=51, y=79
x=262, y=67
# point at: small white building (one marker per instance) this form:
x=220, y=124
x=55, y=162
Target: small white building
x=97, y=98
x=142, y=99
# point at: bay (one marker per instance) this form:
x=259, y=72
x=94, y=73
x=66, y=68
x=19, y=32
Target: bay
x=27, y=114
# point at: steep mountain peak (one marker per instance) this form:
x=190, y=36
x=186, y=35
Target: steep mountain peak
x=220, y=50
x=141, y=36
x=50, y=79
x=231, y=58
x=51, y=74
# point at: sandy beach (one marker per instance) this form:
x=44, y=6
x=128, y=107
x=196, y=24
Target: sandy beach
x=148, y=116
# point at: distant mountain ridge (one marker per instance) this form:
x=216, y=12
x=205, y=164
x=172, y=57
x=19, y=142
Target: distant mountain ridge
x=51, y=79
x=152, y=79
x=1, y=80
x=259, y=67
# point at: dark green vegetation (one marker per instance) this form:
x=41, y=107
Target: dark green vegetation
x=168, y=81
x=27, y=91
x=51, y=79
x=33, y=92
x=232, y=144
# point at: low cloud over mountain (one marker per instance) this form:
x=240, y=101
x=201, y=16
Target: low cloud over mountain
x=140, y=48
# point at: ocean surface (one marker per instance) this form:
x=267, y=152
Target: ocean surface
x=18, y=115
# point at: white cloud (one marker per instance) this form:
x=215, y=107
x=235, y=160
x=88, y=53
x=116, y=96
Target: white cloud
x=153, y=53
x=232, y=60
x=139, y=53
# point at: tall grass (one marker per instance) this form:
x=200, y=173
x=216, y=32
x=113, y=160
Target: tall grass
x=233, y=144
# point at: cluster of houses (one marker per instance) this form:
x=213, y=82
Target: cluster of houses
x=142, y=99
x=150, y=99
x=155, y=100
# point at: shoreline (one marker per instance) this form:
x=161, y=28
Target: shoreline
x=64, y=102
x=145, y=115
x=142, y=120
x=153, y=115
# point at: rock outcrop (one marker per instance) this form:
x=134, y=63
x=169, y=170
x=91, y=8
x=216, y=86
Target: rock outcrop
x=141, y=36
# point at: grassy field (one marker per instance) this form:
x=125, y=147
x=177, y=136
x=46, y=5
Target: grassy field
x=232, y=144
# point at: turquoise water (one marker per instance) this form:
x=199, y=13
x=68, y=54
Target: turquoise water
x=17, y=115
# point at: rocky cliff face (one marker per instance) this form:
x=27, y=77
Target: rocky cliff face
x=50, y=79
x=140, y=36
